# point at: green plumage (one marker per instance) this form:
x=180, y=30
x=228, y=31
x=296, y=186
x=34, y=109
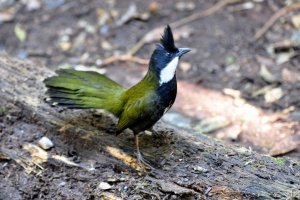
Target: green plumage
x=84, y=89
x=139, y=104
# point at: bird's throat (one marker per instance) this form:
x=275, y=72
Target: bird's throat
x=168, y=73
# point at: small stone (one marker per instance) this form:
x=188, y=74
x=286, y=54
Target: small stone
x=62, y=184
x=185, y=6
x=104, y=186
x=273, y=95
x=106, y=45
x=45, y=143
x=200, y=169
x=248, y=5
x=112, y=180
x=65, y=46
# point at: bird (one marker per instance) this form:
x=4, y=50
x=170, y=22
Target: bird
x=137, y=108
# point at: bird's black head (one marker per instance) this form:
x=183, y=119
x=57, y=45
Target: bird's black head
x=165, y=57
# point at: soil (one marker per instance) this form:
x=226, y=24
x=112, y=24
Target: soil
x=224, y=56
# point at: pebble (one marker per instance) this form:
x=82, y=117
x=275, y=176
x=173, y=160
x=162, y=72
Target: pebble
x=45, y=143
x=104, y=186
x=200, y=169
x=111, y=180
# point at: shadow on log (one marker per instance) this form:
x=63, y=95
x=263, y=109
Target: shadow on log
x=193, y=166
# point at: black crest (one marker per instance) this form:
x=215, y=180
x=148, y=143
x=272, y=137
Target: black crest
x=167, y=40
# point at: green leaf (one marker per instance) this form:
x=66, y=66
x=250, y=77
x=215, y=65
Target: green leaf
x=20, y=33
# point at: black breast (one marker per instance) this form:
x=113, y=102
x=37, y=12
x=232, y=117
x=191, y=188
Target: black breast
x=167, y=94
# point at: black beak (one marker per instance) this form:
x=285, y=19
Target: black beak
x=182, y=51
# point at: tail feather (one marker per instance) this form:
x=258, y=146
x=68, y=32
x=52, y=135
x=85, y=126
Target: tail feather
x=84, y=89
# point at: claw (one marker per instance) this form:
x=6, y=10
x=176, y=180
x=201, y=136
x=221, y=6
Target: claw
x=140, y=158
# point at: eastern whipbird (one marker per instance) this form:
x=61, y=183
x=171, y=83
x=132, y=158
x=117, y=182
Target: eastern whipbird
x=139, y=107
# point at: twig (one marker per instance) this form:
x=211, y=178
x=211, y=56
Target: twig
x=126, y=57
x=283, y=11
x=150, y=36
x=213, y=9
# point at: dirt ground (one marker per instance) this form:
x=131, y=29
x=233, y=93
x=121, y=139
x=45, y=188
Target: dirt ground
x=263, y=74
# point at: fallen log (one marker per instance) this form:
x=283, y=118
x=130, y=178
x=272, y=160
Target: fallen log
x=89, y=161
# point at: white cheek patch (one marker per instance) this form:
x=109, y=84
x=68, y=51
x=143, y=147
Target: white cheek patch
x=167, y=73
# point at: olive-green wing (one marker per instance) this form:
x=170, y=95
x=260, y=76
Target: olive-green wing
x=135, y=110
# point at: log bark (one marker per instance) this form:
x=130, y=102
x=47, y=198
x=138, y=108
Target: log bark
x=188, y=165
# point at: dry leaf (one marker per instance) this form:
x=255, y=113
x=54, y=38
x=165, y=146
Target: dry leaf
x=4, y=156
x=173, y=188
x=296, y=21
x=20, y=33
x=232, y=93
x=263, y=90
x=109, y=196
x=285, y=145
x=225, y=193
x=153, y=7
x=7, y=15
x=267, y=75
x=103, y=16
x=284, y=57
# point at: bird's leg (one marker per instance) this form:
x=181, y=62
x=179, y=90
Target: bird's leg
x=140, y=158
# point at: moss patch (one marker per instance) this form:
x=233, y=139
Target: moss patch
x=3, y=110
x=279, y=161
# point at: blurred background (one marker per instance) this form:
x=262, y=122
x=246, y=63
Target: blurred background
x=240, y=83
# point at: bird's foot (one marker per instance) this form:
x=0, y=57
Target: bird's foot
x=143, y=162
